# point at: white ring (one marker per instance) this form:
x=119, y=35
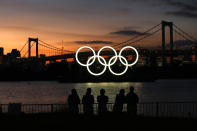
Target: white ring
x=76, y=55
x=110, y=63
x=118, y=74
x=137, y=56
x=96, y=74
x=98, y=54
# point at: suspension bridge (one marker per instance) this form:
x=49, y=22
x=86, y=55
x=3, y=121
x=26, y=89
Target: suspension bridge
x=177, y=36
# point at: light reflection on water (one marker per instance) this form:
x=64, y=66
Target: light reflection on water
x=54, y=92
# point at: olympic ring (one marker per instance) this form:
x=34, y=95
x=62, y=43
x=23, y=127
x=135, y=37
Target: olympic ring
x=118, y=74
x=101, y=71
x=110, y=63
x=76, y=55
x=137, y=56
x=116, y=57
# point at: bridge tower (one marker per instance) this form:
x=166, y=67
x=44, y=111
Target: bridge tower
x=29, y=46
x=170, y=25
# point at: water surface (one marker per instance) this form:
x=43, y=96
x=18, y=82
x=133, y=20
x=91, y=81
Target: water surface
x=40, y=92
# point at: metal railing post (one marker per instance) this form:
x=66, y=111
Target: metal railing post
x=157, y=109
x=52, y=108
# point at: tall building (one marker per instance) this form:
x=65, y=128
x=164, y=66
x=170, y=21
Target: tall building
x=194, y=54
x=1, y=55
x=1, y=51
x=15, y=53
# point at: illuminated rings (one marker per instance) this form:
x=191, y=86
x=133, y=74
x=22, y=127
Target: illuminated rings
x=118, y=74
x=103, y=62
x=96, y=74
x=76, y=56
x=116, y=57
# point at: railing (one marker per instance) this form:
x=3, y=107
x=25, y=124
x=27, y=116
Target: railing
x=154, y=109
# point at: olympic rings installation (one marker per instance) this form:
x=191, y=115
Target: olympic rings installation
x=111, y=62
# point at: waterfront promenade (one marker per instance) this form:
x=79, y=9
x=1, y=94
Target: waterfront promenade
x=146, y=109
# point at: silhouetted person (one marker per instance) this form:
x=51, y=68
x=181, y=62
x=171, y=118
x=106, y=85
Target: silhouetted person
x=102, y=102
x=132, y=100
x=73, y=102
x=119, y=101
x=88, y=101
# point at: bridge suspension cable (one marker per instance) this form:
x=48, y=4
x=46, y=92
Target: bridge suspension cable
x=138, y=36
x=53, y=47
x=145, y=36
x=188, y=35
x=23, y=46
x=180, y=34
x=27, y=50
x=142, y=38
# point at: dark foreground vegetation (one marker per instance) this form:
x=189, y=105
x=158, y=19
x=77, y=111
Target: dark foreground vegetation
x=68, y=122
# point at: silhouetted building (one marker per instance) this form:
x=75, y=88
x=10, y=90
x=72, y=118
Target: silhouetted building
x=1, y=55
x=42, y=55
x=15, y=53
x=194, y=54
x=1, y=51
x=11, y=58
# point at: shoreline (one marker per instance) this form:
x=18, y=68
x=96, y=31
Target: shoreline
x=63, y=81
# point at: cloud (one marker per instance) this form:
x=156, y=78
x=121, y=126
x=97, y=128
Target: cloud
x=187, y=9
x=19, y=28
x=94, y=42
x=128, y=33
x=182, y=5
x=182, y=13
x=179, y=8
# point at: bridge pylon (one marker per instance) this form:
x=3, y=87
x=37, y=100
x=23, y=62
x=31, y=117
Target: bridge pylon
x=170, y=25
x=29, y=46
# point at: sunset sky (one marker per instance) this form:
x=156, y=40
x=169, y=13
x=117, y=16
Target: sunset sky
x=78, y=22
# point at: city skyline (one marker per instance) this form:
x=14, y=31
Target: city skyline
x=89, y=21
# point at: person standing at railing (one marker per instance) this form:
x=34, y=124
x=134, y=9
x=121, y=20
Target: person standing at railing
x=132, y=100
x=88, y=101
x=73, y=102
x=119, y=101
x=102, y=102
